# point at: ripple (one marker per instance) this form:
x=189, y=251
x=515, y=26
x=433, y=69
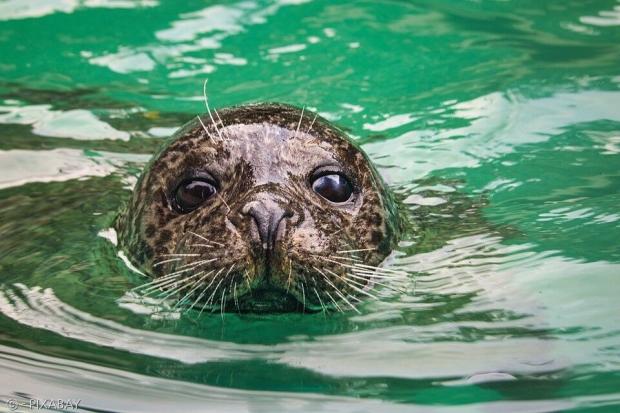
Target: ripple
x=497, y=124
x=605, y=18
x=48, y=166
x=24, y=166
x=124, y=61
x=29, y=375
x=292, y=48
x=409, y=347
x=193, y=32
x=78, y=124
x=17, y=9
x=511, y=118
x=390, y=122
x=421, y=200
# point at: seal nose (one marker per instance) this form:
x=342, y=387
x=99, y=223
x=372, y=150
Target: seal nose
x=268, y=215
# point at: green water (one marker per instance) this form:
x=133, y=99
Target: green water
x=497, y=123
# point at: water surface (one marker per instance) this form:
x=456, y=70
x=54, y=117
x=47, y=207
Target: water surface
x=496, y=123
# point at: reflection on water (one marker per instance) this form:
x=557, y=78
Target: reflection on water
x=175, y=47
x=498, y=131
x=15, y=9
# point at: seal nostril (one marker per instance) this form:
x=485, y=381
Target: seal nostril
x=268, y=217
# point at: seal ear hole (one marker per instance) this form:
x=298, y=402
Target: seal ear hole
x=333, y=186
x=192, y=193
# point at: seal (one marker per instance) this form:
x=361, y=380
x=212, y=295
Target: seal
x=260, y=208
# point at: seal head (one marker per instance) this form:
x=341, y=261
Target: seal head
x=262, y=208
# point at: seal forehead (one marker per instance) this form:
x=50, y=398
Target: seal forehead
x=265, y=143
x=275, y=153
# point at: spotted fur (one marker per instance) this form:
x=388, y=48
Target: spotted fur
x=256, y=152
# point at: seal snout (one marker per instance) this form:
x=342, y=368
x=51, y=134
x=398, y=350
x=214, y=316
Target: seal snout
x=268, y=216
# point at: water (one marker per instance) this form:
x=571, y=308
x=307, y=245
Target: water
x=497, y=124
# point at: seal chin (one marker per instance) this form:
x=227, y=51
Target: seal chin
x=268, y=300
x=270, y=294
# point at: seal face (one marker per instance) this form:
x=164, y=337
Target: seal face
x=261, y=208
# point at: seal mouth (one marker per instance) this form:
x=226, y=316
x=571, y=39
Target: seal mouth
x=267, y=300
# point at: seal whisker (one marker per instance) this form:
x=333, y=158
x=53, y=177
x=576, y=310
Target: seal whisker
x=213, y=293
x=361, y=291
x=379, y=275
x=212, y=296
x=338, y=231
x=360, y=268
x=350, y=250
x=312, y=124
x=338, y=257
x=235, y=297
x=165, y=277
x=204, y=127
x=204, y=291
x=198, y=263
x=382, y=269
x=187, y=281
x=356, y=250
x=376, y=274
x=222, y=304
x=181, y=271
x=334, y=301
x=367, y=277
x=224, y=291
x=154, y=282
x=174, y=290
x=205, y=239
x=158, y=285
x=320, y=301
x=193, y=287
x=303, y=295
x=351, y=283
x=157, y=264
x=202, y=245
x=354, y=298
x=224, y=202
x=380, y=284
x=345, y=258
x=364, y=287
x=345, y=300
x=373, y=276
x=170, y=293
x=335, y=289
x=290, y=271
x=156, y=291
x=353, y=267
x=204, y=94
x=218, y=117
x=246, y=276
x=300, y=118
x=232, y=267
x=220, y=120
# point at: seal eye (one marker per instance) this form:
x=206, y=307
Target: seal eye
x=333, y=187
x=191, y=193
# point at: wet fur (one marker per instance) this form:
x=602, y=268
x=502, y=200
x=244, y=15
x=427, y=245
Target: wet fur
x=328, y=254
